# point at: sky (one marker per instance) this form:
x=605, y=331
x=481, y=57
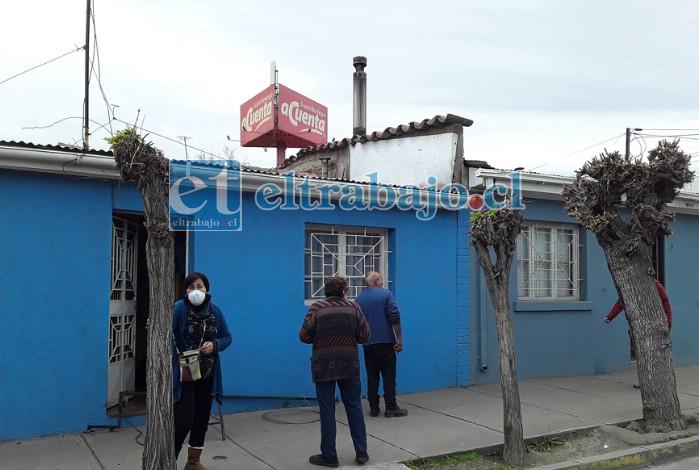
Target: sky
x=549, y=84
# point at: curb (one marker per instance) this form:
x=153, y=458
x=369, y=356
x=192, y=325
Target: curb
x=387, y=466
x=635, y=457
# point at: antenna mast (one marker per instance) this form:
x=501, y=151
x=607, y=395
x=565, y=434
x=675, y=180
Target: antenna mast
x=86, y=110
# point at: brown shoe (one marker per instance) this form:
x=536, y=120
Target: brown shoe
x=193, y=460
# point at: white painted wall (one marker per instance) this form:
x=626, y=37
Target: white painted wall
x=406, y=161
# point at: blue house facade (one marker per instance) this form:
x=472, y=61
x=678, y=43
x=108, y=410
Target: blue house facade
x=561, y=289
x=74, y=271
x=76, y=285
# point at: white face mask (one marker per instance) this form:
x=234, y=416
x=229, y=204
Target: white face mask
x=196, y=297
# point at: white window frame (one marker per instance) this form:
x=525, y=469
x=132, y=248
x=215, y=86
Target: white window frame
x=561, y=260
x=333, y=247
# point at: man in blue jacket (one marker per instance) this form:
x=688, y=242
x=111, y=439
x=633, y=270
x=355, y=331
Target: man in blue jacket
x=383, y=317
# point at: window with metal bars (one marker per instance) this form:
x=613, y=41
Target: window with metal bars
x=348, y=252
x=548, y=262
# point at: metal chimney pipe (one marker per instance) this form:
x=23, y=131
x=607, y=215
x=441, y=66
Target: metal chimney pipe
x=324, y=166
x=359, y=96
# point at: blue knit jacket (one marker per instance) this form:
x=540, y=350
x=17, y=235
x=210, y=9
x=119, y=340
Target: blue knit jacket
x=223, y=340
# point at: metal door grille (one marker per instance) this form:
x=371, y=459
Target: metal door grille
x=121, y=321
x=121, y=338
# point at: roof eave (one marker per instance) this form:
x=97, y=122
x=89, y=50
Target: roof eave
x=550, y=187
x=58, y=162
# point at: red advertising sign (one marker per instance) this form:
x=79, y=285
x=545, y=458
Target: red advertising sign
x=302, y=117
x=257, y=119
x=300, y=121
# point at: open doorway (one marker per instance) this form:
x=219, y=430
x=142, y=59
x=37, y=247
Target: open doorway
x=129, y=311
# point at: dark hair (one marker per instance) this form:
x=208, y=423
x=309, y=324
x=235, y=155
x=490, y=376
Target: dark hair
x=189, y=280
x=335, y=286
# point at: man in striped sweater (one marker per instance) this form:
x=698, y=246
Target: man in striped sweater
x=334, y=327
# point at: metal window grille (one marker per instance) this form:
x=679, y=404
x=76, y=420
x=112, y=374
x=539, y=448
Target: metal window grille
x=548, y=262
x=349, y=252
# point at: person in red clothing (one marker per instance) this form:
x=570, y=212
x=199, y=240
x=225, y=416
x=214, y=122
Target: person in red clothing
x=618, y=306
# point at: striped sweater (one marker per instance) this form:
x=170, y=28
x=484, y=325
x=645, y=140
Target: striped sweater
x=334, y=326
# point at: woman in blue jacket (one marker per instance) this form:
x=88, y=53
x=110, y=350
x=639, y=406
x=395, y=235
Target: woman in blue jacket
x=197, y=324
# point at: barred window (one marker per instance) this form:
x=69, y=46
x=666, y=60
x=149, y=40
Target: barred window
x=349, y=252
x=548, y=266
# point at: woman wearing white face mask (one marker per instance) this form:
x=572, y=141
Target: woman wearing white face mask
x=198, y=325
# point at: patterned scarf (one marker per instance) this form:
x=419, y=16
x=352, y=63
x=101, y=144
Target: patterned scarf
x=201, y=326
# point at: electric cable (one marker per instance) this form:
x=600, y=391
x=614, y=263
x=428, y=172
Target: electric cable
x=673, y=136
x=639, y=138
x=140, y=433
x=143, y=129
x=594, y=145
x=646, y=129
x=98, y=72
x=581, y=150
x=102, y=126
x=41, y=65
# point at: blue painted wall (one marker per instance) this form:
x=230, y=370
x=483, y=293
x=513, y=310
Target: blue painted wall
x=552, y=339
x=681, y=282
x=55, y=247
x=257, y=277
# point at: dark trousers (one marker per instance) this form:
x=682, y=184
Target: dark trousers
x=351, y=393
x=380, y=360
x=191, y=413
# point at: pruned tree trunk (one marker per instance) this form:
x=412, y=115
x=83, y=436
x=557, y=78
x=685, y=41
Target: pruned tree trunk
x=140, y=162
x=499, y=229
x=651, y=335
x=643, y=190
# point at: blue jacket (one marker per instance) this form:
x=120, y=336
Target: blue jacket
x=381, y=312
x=223, y=340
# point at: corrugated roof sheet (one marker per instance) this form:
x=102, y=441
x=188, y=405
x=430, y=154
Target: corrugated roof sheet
x=388, y=133
x=55, y=148
x=245, y=168
x=281, y=171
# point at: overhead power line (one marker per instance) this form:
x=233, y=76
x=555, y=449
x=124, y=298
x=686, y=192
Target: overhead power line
x=41, y=65
x=594, y=145
x=647, y=129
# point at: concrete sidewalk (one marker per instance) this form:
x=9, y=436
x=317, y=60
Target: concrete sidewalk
x=440, y=422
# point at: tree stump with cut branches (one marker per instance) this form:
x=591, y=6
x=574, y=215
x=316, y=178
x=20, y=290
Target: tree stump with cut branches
x=495, y=233
x=623, y=201
x=145, y=165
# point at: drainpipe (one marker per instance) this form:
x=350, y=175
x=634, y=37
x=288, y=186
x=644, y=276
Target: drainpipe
x=359, y=96
x=483, y=324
